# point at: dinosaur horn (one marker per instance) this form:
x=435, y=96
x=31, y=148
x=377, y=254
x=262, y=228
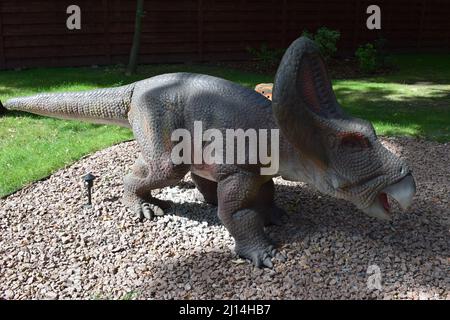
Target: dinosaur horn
x=304, y=103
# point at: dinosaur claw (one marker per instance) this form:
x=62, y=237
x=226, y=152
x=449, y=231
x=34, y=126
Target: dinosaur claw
x=157, y=211
x=260, y=257
x=147, y=211
x=268, y=262
x=281, y=257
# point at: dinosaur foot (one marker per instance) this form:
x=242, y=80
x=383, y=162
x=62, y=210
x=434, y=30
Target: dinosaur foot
x=261, y=256
x=146, y=210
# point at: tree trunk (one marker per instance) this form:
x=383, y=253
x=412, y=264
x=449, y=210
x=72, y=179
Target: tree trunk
x=134, y=54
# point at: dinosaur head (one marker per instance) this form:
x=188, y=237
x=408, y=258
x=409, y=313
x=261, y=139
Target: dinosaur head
x=342, y=154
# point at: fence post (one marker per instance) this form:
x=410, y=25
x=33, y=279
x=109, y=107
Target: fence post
x=200, y=29
x=448, y=24
x=356, y=22
x=284, y=24
x=106, y=30
x=2, y=44
x=422, y=15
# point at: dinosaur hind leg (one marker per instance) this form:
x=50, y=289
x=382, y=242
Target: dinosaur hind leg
x=152, y=127
x=146, y=176
x=237, y=195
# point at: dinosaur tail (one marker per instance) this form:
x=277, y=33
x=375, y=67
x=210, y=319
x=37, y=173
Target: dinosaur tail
x=106, y=106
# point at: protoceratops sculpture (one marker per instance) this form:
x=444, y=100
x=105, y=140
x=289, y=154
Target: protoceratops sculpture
x=319, y=144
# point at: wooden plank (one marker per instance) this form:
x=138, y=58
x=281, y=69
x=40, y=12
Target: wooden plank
x=160, y=27
x=448, y=27
x=356, y=22
x=52, y=40
x=154, y=38
x=238, y=27
x=159, y=58
x=48, y=18
x=106, y=33
x=421, y=23
x=2, y=44
x=241, y=36
x=284, y=21
x=55, y=62
x=55, y=52
x=200, y=29
x=155, y=16
x=151, y=49
x=43, y=6
x=49, y=29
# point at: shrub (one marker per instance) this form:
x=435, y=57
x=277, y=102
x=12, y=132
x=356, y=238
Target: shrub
x=266, y=56
x=367, y=56
x=383, y=58
x=373, y=56
x=326, y=40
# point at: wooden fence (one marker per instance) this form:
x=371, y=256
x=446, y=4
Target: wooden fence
x=33, y=33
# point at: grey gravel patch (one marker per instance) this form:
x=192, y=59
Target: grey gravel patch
x=53, y=248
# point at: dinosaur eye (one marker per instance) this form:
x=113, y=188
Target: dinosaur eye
x=355, y=141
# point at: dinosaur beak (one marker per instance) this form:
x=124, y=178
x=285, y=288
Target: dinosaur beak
x=402, y=192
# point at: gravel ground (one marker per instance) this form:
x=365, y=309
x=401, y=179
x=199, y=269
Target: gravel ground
x=51, y=247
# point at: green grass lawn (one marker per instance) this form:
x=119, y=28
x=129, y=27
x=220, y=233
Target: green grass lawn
x=415, y=100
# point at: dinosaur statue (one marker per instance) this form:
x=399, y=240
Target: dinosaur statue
x=319, y=144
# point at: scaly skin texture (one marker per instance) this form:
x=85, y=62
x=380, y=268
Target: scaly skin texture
x=319, y=144
x=100, y=106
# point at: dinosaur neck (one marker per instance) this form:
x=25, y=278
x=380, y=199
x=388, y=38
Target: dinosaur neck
x=295, y=166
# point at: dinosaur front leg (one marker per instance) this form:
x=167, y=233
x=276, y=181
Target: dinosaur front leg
x=146, y=176
x=236, y=196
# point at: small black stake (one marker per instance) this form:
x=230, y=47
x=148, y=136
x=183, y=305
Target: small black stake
x=89, y=181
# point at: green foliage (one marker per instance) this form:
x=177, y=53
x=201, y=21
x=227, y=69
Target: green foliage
x=326, y=39
x=373, y=56
x=367, y=58
x=308, y=34
x=266, y=56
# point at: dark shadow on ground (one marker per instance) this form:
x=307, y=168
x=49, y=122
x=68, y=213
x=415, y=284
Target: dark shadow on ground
x=412, y=252
x=316, y=224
